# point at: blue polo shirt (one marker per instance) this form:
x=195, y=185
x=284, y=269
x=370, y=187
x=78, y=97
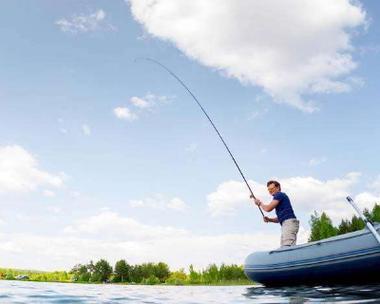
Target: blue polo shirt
x=284, y=208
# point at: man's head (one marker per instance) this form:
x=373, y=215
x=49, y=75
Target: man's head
x=273, y=187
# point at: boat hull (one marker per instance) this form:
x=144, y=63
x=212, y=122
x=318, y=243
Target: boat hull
x=353, y=258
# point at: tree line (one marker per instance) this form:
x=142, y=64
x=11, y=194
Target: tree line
x=122, y=272
x=42, y=276
x=322, y=227
x=156, y=273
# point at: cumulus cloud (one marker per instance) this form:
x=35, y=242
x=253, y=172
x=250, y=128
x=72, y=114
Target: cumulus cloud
x=160, y=202
x=149, y=101
x=232, y=195
x=85, y=23
x=125, y=114
x=317, y=161
x=307, y=194
x=111, y=236
x=375, y=185
x=140, y=106
x=113, y=226
x=19, y=171
x=48, y=193
x=282, y=46
x=177, y=204
x=140, y=103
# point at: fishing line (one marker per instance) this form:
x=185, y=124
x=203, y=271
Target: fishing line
x=208, y=117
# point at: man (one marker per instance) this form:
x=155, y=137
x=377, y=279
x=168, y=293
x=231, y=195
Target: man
x=284, y=212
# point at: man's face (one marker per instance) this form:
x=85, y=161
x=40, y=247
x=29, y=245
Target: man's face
x=272, y=189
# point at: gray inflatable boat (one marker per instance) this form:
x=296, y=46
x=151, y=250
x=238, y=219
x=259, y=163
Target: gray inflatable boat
x=352, y=258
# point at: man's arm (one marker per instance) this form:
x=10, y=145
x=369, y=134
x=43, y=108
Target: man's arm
x=270, y=219
x=267, y=207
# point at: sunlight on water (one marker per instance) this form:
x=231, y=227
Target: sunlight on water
x=32, y=292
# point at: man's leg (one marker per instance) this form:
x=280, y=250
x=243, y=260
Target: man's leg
x=289, y=230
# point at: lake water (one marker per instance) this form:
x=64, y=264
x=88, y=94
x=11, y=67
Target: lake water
x=33, y=292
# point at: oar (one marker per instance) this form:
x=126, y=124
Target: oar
x=208, y=117
x=367, y=221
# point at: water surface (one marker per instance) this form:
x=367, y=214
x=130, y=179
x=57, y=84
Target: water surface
x=34, y=292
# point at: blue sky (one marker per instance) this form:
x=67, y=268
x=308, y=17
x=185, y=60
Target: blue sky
x=105, y=157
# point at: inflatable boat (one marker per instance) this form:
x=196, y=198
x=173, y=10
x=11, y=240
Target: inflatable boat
x=352, y=258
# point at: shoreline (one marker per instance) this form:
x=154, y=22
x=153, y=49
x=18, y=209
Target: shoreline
x=248, y=283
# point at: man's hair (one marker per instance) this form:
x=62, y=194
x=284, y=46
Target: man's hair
x=276, y=183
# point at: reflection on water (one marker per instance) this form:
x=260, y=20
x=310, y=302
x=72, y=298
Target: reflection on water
x=32, y=292
x=343, y=294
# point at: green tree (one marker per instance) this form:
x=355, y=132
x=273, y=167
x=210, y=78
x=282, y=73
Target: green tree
x=344, y=227
x=231, y=273
x=161, y=271
x=147, y=270
x=136, y=274
x=357, y=223
x=211, y=274
x=122, y=270
x=177, y=277
x=194, y=277
x=321, y=227
x=374, y=215
x=354, y=224
x=151, y=280
x=80, y=273
x=102, y=271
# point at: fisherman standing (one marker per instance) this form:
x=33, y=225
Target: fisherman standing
x=284, y=211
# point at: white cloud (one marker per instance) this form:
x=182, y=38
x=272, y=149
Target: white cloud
x=86, y=129
x=317, y=161
x=111, y=236
x=85, y=23
x=113, y=226
x=75, y=194
x=177, y=204
x=282, y=46
x=19, y=171
x=375, y=185
x=310, y=194
x=55, y=209
x=160, y=202
x=125, y=113
x=367, y=199
x=140, y=103
x=48, y=193
x=149, y=101
x=307, y=194
x=232, y=195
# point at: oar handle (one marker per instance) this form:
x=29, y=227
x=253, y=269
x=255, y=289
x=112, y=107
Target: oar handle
x=366, y=221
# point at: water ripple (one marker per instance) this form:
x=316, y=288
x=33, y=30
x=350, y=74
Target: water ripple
x=32, y=292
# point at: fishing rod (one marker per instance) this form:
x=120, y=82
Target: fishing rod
x=208, y=117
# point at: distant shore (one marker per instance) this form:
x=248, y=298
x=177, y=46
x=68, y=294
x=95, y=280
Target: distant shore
x=124, y=274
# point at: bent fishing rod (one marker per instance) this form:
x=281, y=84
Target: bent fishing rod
x=208, y=117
